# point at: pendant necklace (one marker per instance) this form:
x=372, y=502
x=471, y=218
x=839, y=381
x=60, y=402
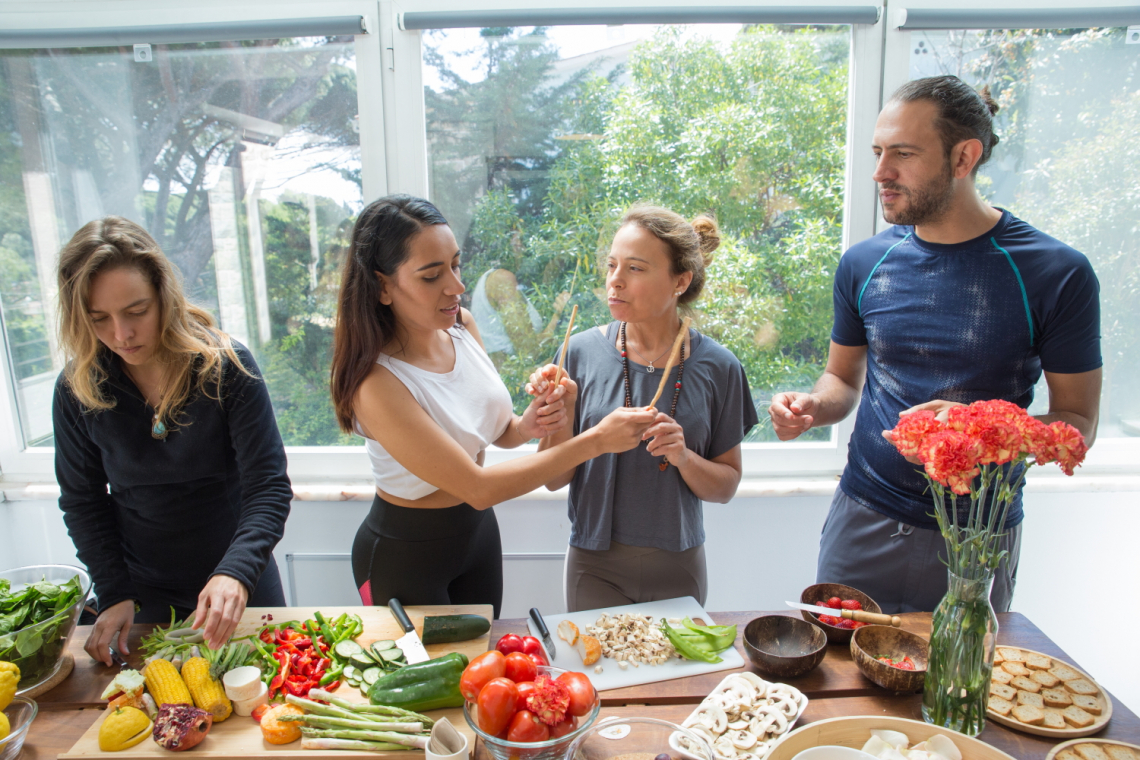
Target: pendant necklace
x=650, y=369
x=664, y=465
x=158, y=428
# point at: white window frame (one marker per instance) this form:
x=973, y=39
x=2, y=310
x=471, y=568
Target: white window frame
x=394, y=158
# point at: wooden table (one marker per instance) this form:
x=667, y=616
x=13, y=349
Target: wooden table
x=836, y=688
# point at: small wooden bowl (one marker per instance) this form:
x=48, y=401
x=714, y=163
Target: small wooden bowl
x=783, y=647
x=824, y=591
x=874, y=641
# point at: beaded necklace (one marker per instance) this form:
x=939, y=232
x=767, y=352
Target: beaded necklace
x=676, y=387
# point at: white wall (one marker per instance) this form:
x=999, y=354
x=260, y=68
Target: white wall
x=1078, y=559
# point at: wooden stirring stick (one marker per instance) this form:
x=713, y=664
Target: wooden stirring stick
x=565, y=345
x=672, y=360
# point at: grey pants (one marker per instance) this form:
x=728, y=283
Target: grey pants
x=896, y=564
x=632, y=574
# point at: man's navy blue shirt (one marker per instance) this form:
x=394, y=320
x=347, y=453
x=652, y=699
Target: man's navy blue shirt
x=963, y=322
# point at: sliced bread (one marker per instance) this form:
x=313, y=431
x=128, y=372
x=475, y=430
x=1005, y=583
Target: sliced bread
x=1056, y=698
x=1003, y=691
x=1030, y=715
x=1119, y=752
x=1089, y=704
x=1025, y=684
x=1064, y=672
x=1038, y=662
x=1055, y=720
x=1015, y=668
x=1029, y=698
x=1090, y=751
x=1082, y=686
x=1076, y=717
x=1001, y=676
x=1009, y=653
x=1045, y=678
x=1001, y=706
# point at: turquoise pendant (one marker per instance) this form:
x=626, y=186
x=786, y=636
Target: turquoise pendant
x=158, y=430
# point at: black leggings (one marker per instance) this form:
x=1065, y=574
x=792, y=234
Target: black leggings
x=429, y=556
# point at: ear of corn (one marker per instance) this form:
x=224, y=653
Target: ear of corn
x=206, y=690
x=165, y=685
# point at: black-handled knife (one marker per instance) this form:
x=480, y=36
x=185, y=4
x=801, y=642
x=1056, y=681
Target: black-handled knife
x=540, y=626
x=410, y=642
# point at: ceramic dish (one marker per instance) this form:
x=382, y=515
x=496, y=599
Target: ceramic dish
x=856, y=730
x=1110, y=747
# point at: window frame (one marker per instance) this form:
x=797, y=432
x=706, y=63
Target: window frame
x=394, y=156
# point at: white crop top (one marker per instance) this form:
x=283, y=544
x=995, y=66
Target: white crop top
x=470, y=403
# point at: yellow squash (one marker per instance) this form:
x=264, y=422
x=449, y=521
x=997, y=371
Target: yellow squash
x=9, y=678
x=207, y=691
x=122, y=728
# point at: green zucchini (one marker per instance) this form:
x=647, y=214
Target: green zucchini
x=427, y=685
x=447, y=629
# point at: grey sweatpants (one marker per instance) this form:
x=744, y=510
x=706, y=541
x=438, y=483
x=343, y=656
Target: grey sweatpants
x=896, y=564
x=626, y=574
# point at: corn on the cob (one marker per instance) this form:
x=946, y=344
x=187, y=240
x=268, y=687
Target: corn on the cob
x=165, y=685
x=207, y=691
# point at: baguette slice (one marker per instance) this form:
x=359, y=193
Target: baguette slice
x=1011, y=654
x=1056, y=698
x=1031, y=699
x=1090, y=751
x=998, y=659
x=1038, y=662
x=1015, y=668
x=1067, y=754
x=1029, y=715
x=1089, y=704
x=1119, y=752
x=1045, y=678
x=1076, y=717
x=1001, y=706
x=1055, y=720
x=1082, y=686
x=1000, y=676
x=1003, y=691
x=1064, y=672
x=1025, y=684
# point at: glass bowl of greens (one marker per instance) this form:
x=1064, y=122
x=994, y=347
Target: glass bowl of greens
x=39, y=605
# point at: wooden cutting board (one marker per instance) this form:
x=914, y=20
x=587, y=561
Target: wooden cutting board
x=612, y=676
x=239, y=738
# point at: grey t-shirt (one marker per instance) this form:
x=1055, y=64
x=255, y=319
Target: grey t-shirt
x=626, y=497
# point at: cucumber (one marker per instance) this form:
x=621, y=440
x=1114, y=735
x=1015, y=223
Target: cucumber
x=347, y=648
x=361, y=661
x=382, y=644
x=447, y=629
x=371, y=675
x=350, y=673
x=392, y=655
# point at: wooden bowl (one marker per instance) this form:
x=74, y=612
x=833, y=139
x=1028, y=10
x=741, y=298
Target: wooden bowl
x=874, y=641
x=855, y=731
x=824, y=591
x=783, y=647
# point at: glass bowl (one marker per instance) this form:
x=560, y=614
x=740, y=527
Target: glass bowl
x=20, y=715
x=551, y=749
x=38, y=649
x=638, y=739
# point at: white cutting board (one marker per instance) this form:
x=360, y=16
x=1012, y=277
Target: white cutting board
x=613, y=677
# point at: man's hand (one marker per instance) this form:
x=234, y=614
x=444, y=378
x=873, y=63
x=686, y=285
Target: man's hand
x=941, y=411
x=792, y=414
x=114, y=621
x=220, y=606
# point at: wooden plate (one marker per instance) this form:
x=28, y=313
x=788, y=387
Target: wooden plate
x=1102, y=742
x=1098, y=723
x=855, y=731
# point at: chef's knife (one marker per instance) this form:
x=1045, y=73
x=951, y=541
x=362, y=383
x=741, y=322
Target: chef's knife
x=410, y=642
x=540, y=626
x=861, y=616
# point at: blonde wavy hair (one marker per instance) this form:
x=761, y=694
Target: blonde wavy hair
x=189, y=341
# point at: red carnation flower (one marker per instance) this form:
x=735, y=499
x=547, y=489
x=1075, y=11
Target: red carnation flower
x=1068, y=446
x=912, y=429
x=951, y=458
x=1037, y=439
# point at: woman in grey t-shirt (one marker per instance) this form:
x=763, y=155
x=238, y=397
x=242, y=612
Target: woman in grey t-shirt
x=637, y=530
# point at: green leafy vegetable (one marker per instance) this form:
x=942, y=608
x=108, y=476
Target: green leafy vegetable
x=33, y=629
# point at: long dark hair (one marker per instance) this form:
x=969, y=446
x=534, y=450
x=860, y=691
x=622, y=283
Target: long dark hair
x=963, y=112
x=363, y=324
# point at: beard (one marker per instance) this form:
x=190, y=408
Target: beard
x=925, y=204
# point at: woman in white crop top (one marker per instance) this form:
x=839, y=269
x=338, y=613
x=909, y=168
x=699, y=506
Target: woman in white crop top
x=410, y=375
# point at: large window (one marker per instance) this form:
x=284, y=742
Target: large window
x=1066, y=163
x=539, y=138
x=241, y=159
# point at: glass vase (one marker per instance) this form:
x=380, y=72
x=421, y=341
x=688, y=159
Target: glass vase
x=963, y=636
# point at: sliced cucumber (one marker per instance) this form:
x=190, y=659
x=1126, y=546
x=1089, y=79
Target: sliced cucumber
x=361, y=660
x=365, y=688
x=351, y=673
x=371, y=675
x=347, y=648
x=382, y=644
x=395, y=654
x=354, y=682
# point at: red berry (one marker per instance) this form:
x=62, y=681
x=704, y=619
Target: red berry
x=828, y=619
x=851, y=604
x=834, y=602
x=845, y=624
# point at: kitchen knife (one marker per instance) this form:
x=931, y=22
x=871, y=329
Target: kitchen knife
x=540, y=626
x=410, y=642
x=861, y=616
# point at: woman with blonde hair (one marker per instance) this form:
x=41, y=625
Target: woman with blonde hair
x=637, y=532
x=170, y=467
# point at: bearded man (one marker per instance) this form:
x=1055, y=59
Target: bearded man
x=958, y=302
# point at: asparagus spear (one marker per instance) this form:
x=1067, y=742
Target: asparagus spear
x=329, y=697
x=349, y=744
x=407, y=742
x=332, y=711
x=367, y=725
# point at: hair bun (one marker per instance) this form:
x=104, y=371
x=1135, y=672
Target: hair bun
x=987, y=97
x=709, y=235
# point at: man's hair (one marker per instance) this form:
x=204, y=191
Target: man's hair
x=963, y=112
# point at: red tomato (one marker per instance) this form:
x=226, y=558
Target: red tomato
x=482, y=669
x=520, y=667
x=538, y=659
x=526, y=688
x=512, y=642
x=531, y=645
x=497, y=702
x=559, y=730
x=581, y=693
x=526, y=727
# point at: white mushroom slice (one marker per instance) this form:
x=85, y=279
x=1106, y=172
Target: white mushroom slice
x=724, y=747
x=742, y=739
x=737, y=725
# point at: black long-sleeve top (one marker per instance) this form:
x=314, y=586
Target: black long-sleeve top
x=212, y=498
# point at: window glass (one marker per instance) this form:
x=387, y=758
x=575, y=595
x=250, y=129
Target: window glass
x=241, y=159
x=1066, y=163
x=539, y=138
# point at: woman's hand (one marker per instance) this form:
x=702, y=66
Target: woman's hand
x=114, y=621
x=542, y=418
x=541, y=382
x=623, y=428
x=220, y=606
x=668, y=439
